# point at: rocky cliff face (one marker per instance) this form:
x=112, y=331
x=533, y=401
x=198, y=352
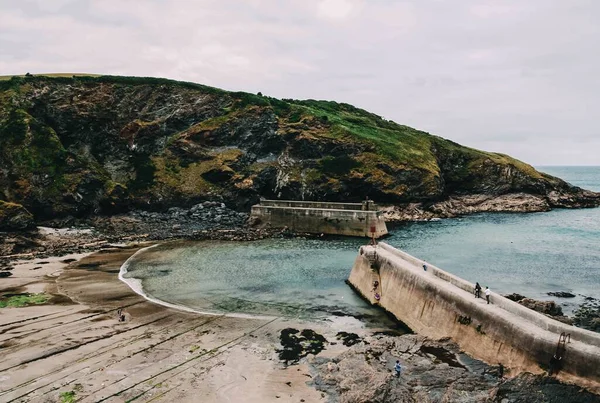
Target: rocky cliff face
x=82, y=146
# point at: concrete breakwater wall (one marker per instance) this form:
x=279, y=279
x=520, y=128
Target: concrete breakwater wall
x=351, y=219
x=314, y=204
x=438, y=304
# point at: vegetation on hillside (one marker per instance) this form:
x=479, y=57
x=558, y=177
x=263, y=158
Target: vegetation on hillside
x=80, y=145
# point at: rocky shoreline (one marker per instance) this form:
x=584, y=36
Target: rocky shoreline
x=486, y=203
x=432, y=371
x=209, y=220
x=214, y=220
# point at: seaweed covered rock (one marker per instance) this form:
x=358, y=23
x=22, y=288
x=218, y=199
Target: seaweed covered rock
x=15, y=217
x=587, y=315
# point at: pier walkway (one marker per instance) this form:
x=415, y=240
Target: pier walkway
x=438, y=304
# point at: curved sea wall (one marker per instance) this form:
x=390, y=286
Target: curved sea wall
x=438, y=304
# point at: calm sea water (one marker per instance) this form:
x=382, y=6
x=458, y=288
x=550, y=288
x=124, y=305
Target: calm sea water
x=531, y=254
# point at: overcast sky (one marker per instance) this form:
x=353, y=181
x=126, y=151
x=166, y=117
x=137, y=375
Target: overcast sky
x=520, y=77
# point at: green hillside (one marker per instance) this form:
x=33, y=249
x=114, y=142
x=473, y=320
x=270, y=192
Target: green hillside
x=80, y=145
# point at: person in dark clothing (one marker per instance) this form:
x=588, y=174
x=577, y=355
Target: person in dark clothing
x=477, y=290
x=554, y=366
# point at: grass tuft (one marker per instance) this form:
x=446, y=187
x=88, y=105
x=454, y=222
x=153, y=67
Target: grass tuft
x=21, y=300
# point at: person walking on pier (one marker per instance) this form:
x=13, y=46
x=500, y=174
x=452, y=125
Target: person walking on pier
x=487, y=294
x=477, y=290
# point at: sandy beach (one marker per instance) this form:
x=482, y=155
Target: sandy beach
x=75, y=344
x=74, y=348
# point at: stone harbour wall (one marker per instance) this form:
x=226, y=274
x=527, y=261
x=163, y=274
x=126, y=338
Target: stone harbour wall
x=320, y=218
x=437, y=304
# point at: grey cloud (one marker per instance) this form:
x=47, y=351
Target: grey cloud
x=514, y=77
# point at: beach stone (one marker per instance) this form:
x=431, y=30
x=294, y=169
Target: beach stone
x=545, y=307
x=14, y=216
x=587, y=316
x=515, y=297
x=561, y=294
x=197, y=207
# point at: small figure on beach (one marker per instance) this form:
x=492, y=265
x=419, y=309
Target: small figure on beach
x=425, y=266
x=120, y=315
x=398, y=368
x=377, y=296
x=487, y=294
x=375, y=285
x=477, y=290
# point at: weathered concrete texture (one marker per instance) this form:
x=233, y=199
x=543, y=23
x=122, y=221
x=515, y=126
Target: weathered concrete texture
x=351, y=219
x=314, y=204
x=438, y=304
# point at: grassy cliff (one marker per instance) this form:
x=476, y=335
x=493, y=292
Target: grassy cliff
x=81, y=145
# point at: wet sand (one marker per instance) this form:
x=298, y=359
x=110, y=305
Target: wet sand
x=76, y=344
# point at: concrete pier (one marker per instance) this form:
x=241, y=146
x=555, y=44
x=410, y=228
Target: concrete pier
x=351, y=219
x=438, y=304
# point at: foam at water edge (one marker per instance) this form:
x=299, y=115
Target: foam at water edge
x=136, y=286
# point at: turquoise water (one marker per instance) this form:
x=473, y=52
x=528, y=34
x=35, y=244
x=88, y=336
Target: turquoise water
x=526, y=253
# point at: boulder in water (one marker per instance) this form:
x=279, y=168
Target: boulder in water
x=545, y=307
x=515, y=297
x=561, y=294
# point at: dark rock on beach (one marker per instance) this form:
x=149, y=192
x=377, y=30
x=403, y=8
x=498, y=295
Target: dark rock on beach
x=545, y=307
x=515, y=297
x=587, y=315
x=15, y=217
x=561, y=294
x=348, y=339
x=299, y=344
x=548, y=308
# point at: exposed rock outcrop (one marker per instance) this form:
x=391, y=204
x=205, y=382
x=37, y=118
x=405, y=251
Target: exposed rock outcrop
x=432, y=371
x=561, y=294
x=545, y=307
x=587, y=315
x=515, y=297
x=14, y=217
x=549, y=308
